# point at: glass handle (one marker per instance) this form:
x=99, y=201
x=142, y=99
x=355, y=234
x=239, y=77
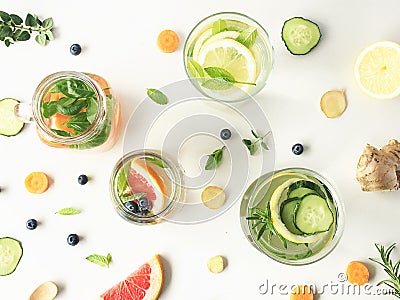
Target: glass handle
x=23, y=112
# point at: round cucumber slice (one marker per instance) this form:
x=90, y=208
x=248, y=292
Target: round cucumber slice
x=9, y=124
x=288, y=208
x=300, y=35
x=10, y=255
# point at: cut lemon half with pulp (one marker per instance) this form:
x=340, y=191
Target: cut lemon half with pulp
x=377, y=70
x=278, y=196
x=231, y=56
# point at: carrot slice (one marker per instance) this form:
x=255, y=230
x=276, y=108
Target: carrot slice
x=357, y=273
x=37, y=182
x=302, y=292
x=168, y=41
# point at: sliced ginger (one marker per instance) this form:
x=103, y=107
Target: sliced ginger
x=216, y=264
x=333, y=103
x=213, y=197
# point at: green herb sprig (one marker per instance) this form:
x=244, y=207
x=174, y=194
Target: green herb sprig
x=221, y=79
x=393, y=270
x=101, y=260
x=263, y=218
x=252, y=146
x=157, y=96
x=13, y=29
x=214, y=159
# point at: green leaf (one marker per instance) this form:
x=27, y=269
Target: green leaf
x=128, y=197
x=78, y=122
x=72, y=109
x=248, y=36
x=214, y=159
x=254, y=134
x=264, y=145
x=215, y=72
x=91, y=110
x=41, y=39
x=5, y=16
x=49, y=35
x=216, y=84
x=250, y=146
x=61, y=132
x=49, y=108
x=68, y=211
x=218, y=26
x=101, y=260
x=195, y=69
x=16, y=19
x=122, y=178
x=23, y=36
x=48, y=23
x=8, y=42
x=5, y=32
x=157, y=96
x=30, y=21
x=156, y=161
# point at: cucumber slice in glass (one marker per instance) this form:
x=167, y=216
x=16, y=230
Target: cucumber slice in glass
x=10, y=255
x=300, y=35
x=288, y=208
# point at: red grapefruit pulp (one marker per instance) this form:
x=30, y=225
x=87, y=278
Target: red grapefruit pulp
x=145, y=283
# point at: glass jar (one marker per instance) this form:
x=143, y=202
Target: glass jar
x=146, y=187
x=264, y=200
x=76, y=110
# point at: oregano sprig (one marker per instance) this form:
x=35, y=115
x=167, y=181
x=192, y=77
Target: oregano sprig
x=252, y=146
x=14, y=29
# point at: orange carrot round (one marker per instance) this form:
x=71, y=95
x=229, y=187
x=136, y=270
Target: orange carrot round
x=357, y=273
x=302, y=292
x=168, y=41
x=37, y=182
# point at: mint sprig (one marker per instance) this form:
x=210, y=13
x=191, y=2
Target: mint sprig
x=101, y=260
x=221, y=79
x=13, y=29
x=252, y=146
x=214, y=159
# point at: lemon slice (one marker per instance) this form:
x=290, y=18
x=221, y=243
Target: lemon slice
x=222, y=35
x=377, y=68
x=277, y=198
x=199, y=43
x=231, y=56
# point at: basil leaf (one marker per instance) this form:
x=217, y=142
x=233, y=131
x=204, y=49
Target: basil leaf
x=157, y=96
x=72, y=109
x=155, y=161
x=49, y=108
x=91, y=109
x=214, y=159
x=16, y=19
x=61, y=132
x=248, y=36
x=216, y=84
x=78, y=122
x=68, y=211
x=218, y=26
x=41, y=39
x=215, y=72
x=195, y=69
x=5, y=16
x=101, y=260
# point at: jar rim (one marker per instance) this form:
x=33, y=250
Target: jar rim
x=43, y=88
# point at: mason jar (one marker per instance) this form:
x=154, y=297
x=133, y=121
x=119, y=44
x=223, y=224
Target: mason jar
x=75, y=110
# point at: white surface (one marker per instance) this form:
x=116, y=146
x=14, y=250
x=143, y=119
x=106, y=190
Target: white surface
x=118, y=40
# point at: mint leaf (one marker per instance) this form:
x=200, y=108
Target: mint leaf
x=216, y=84
x=122, y=178
x=218, y=26
x=156, y=161
x=248, y=36
x=48, y=23
x=157, y=96
x=250, y=146
x=68, y=211
x=215, y=72
x=128, y=197
x=214, y=159
x=195, y=69
x=101, y=260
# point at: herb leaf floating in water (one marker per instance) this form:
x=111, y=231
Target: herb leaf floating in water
x=13, y=29
x=214, y=159
x=393, y=270
x=218, y=26
x=101, y=260
x=221, y=79
x=157, y=96
x=252, y=146
x=248, y=37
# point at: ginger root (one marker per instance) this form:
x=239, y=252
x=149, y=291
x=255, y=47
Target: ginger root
x=377, y=170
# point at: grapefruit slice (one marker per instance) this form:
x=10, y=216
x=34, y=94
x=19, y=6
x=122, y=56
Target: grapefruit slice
x=145, y=283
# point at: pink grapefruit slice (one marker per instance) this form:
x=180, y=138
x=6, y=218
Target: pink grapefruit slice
x=145, y=283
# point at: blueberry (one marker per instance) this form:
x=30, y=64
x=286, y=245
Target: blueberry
x=73, y=239
x=132, y=206
x=143, y=204
x=75, y=49
x=83, y=179
x=31, y=224
x=225, y=134
x=297, y=149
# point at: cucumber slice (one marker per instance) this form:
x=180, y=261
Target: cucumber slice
x=9, y=124
x=302, y=187
x=300, y=35
x=288, y=208
x=313, y=215
x=10, y=255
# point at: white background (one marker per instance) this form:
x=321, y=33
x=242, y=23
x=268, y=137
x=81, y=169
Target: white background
x=118, y=40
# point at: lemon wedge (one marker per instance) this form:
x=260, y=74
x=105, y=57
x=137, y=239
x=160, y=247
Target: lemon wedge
x=376, y=70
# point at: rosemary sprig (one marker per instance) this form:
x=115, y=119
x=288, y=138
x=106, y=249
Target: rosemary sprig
x=391, y=269
x=263, y=218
